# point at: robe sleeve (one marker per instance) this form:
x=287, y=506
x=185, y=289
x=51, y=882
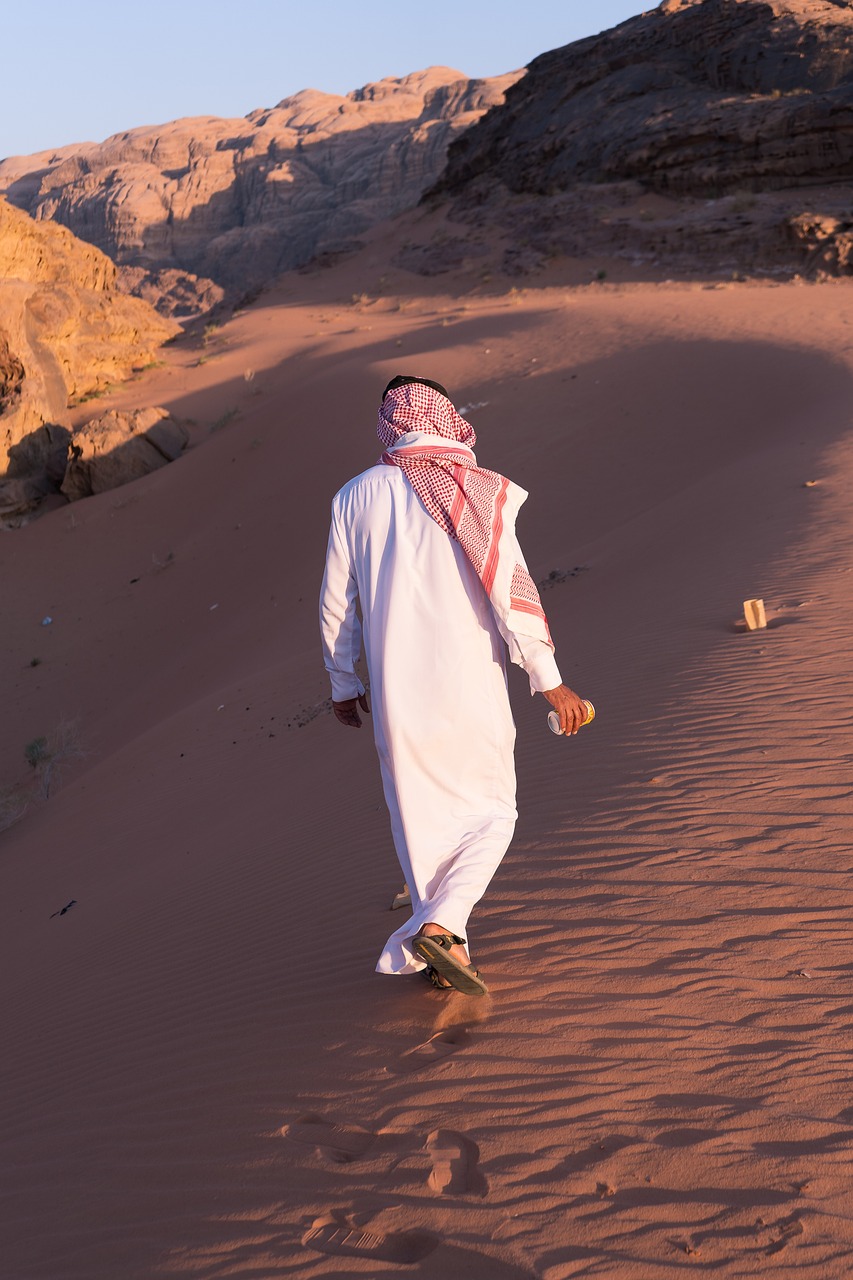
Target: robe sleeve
x=537, y=659
x=340, y=627
x=534, y=656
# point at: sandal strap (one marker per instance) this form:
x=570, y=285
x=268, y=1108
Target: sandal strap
x=446, y=940
x=432, y=975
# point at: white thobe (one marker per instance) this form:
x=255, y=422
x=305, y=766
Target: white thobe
x=440, y=708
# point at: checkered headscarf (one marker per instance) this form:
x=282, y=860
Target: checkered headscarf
x=474, y=506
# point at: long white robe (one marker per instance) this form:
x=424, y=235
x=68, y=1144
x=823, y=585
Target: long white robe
x=440, y=709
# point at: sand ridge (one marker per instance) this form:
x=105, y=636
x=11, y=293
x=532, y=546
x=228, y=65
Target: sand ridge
x=203, y=1076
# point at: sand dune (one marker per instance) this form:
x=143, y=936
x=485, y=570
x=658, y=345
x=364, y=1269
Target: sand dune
x=202, y=1075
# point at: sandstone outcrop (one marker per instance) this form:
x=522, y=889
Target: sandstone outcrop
x=229, y=204
x=697, y=101
x=115, y=448
x=109, y=451
x=66, y=332
x=710, y=97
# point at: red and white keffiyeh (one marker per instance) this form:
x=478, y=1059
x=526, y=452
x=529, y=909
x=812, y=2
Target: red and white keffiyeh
x=475, y=506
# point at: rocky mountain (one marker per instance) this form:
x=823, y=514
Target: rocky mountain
x=742, y=107
x=204, y=207
x=66, y=331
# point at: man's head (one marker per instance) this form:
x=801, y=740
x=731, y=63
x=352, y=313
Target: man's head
x=419, y=404
x=403, y=379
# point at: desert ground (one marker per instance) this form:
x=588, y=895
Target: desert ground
x=202, y=1075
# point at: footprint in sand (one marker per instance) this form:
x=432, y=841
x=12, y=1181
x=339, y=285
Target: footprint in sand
x=333, y=1234
x=782, y=1232
x=431, y=1051
x=454, y=1164
x=337, y=1142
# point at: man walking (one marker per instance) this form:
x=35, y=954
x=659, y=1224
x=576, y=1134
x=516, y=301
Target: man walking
x=425, y=542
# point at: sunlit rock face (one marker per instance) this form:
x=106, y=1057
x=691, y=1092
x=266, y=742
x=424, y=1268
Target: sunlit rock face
x=206, y=207
x=66, y=332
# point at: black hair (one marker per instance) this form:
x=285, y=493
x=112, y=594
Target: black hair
x=403, y=379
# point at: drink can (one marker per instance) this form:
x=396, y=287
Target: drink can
x=554, y=719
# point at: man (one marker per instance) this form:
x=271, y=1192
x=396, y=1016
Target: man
x=425, y=542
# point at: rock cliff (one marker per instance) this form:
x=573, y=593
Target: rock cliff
x=66, y=332
x=204, y=206
x=700, y=97
x=697, y=100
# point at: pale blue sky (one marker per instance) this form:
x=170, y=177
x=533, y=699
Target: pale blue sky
x=78, y=72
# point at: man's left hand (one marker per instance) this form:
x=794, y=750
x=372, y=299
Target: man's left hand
x=347, y=712
x=569, y=707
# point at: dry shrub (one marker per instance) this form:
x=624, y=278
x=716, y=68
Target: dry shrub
x=49, y=756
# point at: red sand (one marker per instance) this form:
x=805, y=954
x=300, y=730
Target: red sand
x=201, y=1074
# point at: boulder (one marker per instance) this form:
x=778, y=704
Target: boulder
x=41, y=452
x=826, y=240
x=115, y=448
x=21, y=499
x=178, y=294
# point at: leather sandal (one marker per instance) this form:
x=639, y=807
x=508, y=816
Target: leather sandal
x=435, y=949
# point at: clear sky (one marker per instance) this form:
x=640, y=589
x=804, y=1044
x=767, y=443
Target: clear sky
x=80, y=71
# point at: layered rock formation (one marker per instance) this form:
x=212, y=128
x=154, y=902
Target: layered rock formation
x=66, y=332
x=206, y=205
x=697, y=100
x=702, y=97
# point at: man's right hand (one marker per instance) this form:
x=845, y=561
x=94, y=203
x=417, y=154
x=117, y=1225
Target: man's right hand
x=569, y=707
x=347, y=712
